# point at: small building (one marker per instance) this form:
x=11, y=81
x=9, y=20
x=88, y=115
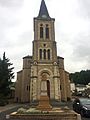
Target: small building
x=80, y=87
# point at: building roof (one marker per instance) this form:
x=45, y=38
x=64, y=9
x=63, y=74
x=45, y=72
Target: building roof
x=27, y=57
x=43, y=12
x=80, y=85
x=60, y=57
x=19, y=71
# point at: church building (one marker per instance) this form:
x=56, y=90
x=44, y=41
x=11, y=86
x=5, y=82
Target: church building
x=43, y=64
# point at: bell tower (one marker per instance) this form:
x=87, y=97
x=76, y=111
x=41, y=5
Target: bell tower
x=44, y=45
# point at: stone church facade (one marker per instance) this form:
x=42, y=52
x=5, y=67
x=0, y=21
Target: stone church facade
x=43, y=64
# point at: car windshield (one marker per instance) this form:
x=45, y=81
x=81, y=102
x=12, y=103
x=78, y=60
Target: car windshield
x=85, y=101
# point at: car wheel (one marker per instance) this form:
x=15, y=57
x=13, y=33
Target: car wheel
x=82, y=113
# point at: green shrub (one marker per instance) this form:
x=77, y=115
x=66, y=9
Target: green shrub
x=21, y=110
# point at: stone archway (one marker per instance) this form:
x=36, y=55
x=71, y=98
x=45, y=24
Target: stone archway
x=47, y=74
x=44, y=93
x=45, y=77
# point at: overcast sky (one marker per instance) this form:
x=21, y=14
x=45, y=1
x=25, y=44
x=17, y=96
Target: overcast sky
x=72, y=30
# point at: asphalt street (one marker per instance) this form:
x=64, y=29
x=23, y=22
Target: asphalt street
x=7, y=111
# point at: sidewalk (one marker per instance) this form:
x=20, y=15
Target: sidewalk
x=7, y=107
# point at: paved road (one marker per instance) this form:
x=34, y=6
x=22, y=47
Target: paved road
x=13, y=108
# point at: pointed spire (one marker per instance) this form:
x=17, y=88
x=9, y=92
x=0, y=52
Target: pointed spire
x=43, y=13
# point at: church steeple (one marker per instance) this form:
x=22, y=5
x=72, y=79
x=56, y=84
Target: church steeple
x=44, y=25
x=43, y=12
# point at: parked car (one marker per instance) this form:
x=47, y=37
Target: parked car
x=82, y=106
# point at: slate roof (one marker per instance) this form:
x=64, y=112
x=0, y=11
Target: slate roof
x=43, y=12
x=27, y=57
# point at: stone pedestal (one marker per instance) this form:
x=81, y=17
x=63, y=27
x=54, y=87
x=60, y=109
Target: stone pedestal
x=44, y=99
x=44, y=104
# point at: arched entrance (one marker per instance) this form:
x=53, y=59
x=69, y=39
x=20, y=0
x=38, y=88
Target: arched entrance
x=45, y=76
x=48, y=88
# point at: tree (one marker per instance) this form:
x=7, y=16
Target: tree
x=6, y=75
x=82, y=77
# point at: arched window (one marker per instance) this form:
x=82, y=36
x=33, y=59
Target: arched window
x=40, y=53
x=47, y=32
x=41, y=31
x=44, y=51
x=27, y=87
x=48, y=53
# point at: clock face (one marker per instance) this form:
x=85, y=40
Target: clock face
x=44, y=16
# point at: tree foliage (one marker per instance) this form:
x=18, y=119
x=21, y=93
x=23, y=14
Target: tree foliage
x=6, y=75
x=82, y=77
